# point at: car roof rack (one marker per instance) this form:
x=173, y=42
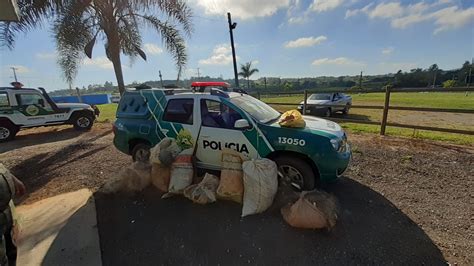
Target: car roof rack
x=220, y=93
x=239, y=90
x=142, y=87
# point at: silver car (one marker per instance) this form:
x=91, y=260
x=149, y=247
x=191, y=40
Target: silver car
x=321, y=104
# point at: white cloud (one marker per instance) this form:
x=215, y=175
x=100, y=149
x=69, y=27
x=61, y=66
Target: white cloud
x=452, y=18
x=324, y=5
x=388, y=50
x=386, y=10
x=297, y=20
x=403, y=16
x=243, y=9
x=46, y=56
x=101, y=62
x=354, y=12
x=255, y=62
x=221, y=55
x=152, y=49
x=19, y=69
x=305, y=42
x=340, y=61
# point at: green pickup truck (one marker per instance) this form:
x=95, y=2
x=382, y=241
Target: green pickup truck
x=217, y=120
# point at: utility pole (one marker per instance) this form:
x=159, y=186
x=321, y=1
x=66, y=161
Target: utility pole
x=199, y=77
x=232, y=26
x=161, y=78
x=360, y=81
x=14, y=73
x=470, y=72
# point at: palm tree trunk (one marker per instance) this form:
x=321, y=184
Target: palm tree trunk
x=248, y=83
x=113, y=41
x=115, y=58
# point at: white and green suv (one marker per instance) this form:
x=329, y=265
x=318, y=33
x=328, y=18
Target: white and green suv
x=25, y=108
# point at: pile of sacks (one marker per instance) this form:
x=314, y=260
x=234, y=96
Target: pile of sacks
x=252, y=183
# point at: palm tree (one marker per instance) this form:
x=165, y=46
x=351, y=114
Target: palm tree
x=246, y=71
x=118, y=23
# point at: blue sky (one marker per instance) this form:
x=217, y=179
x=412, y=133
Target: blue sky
x=284, y=38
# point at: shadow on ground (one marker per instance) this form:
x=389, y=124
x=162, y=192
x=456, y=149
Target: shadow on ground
x=40, y=169
x=36, y=138
x=144, y=229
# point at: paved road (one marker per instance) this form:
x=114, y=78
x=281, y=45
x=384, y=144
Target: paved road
x=144, y=229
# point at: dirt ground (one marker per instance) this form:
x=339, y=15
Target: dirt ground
x=402, y=201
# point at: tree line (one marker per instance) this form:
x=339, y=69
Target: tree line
x=418, y=77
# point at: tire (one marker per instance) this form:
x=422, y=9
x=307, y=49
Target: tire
x=303, y=177
x=7, y=131
x=346, y=109
x=141, y=152
x=83, y=121
x=328, y=112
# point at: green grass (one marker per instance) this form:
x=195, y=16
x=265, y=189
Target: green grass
x=405, y=132
x=431, y=99
x=107, y=112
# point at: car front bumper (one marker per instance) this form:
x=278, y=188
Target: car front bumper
x=312, y=109
x=335, y=166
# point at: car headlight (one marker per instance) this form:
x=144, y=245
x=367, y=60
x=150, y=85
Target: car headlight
x=336, y=144
x=339, y=145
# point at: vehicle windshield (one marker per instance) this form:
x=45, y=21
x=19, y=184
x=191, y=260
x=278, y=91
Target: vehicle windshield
x=257, y=109
x=320, y=96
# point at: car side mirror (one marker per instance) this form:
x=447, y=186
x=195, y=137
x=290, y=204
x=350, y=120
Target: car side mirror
x=242, y=124
x=41, y=102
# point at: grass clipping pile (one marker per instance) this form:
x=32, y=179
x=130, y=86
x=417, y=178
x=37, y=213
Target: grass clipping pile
x=253, y=183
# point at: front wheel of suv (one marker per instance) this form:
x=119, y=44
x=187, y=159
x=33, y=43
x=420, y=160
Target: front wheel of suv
x=7, y=131
x=141, y=152
x=83, y=121
x=296, y=172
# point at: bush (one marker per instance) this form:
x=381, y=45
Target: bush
x=449, y=83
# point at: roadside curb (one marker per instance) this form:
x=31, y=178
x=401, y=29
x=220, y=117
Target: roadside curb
x=61, y=230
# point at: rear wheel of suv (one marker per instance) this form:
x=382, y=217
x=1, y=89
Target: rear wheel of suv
x=141, y=152
x=7, y=131
x=296, y=172
x=83, y=121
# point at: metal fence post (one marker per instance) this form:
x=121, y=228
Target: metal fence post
x=305, y=100
x=385, y=110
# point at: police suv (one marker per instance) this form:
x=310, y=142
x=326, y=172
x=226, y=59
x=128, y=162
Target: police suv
x=216, y=120
x=25, y=108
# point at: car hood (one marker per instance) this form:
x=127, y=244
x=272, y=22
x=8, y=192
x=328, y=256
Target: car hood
x=74, y=105
x=319, y=124
x=316, y=102
x=315, y=125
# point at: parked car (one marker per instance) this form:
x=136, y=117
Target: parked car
x=316, y=104
x=26, y=108
x=115, y=98
x=217, y=120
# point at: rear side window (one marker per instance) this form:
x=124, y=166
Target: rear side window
x=4, y=100
x=179, y=111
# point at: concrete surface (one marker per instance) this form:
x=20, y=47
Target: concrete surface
x=60, y=230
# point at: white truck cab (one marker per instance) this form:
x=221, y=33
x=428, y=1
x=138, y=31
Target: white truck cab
x=26, y=107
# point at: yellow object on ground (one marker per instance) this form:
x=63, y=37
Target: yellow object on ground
x=292, y=118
